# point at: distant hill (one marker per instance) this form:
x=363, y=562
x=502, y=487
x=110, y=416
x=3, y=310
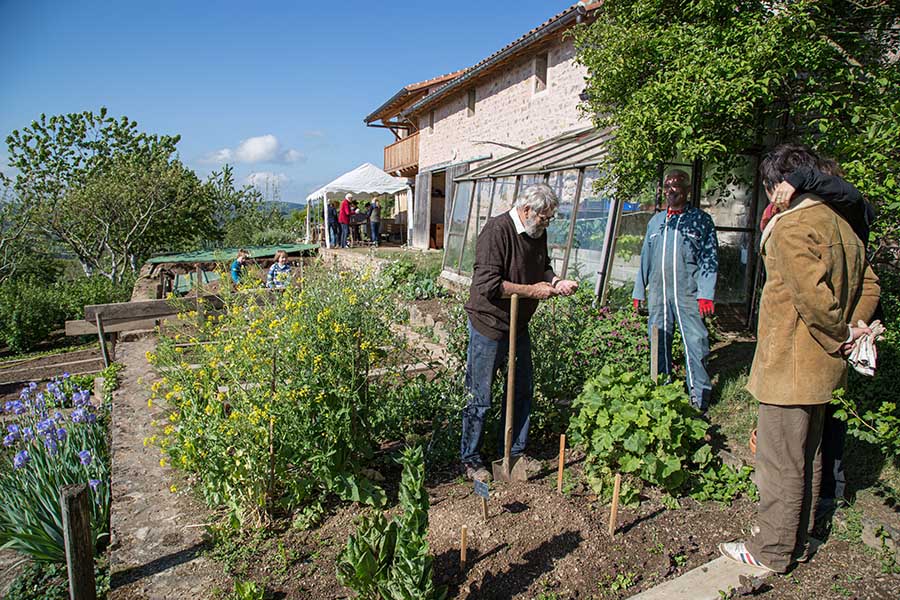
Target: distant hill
x=286, y=208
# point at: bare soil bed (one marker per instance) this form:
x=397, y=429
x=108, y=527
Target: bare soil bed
x=537, y=544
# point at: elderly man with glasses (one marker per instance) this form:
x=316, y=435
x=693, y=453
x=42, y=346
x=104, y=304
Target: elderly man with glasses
x=511, y=257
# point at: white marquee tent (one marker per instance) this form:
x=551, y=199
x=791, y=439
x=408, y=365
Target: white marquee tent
x=365, y=182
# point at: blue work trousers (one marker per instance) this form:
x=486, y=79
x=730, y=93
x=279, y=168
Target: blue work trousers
x=484, y=358
x=374, y=230
x=685, y=314
x=345, y=234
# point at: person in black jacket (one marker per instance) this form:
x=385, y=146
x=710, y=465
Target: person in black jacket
x=511, y=257
x=824, y=178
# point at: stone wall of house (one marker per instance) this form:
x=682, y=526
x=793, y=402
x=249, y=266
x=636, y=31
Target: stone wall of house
x=507, y=111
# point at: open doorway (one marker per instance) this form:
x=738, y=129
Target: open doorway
x=438, y=203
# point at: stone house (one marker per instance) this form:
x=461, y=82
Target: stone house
x=469, y=140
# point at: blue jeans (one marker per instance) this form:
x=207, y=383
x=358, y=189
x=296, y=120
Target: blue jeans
x=374, y=228
x=484, y=358
x=345, y=234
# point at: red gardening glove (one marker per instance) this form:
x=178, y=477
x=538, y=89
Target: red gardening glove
x=707, y=308
x=637, y=303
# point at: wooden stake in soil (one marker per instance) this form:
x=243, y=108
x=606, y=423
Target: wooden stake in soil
x=654, y=352
x=484, y=509
x=614, y=509
x=464, y=539
x=562, y=461
x=271, y=486
x=76, y=516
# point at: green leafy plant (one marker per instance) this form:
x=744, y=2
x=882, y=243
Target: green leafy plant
x=247, y=590
x=389, y=560
x=651, y=434
x=280, y=412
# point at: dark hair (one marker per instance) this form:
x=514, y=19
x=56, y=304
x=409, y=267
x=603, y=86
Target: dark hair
x=787, y=158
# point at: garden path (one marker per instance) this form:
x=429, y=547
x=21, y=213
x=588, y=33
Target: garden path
x=157, y=545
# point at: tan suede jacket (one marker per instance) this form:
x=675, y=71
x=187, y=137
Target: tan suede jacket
x=817, y=282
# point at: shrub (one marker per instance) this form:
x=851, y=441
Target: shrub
x=403, y=278
x=627, y=424
x=290, y=373
x=389, y=560
x=868, y=404
x=30, y=309
x=43, y=451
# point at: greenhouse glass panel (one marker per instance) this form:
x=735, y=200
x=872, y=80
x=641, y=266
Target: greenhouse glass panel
x=585, y=257
x=626, y=259
x=564, y=184
x=458, y=217
x=481, y=206
x=727, y=195
x=504, y=195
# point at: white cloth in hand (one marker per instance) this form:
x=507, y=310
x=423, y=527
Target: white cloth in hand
x=864, y=354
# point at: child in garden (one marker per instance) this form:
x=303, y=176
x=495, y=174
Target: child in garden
x=237, y=267
x=280, y=272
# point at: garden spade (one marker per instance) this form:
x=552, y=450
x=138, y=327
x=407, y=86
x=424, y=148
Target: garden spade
x=509, y=468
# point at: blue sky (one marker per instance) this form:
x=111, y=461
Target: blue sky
x=273, y=87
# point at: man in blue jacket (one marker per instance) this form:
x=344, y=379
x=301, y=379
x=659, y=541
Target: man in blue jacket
x=679, y=265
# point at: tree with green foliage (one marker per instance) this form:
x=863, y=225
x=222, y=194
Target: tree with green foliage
x=242, y=212
x=109, y=193
x=709, y=79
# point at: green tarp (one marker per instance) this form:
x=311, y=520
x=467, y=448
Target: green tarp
x=226, y=255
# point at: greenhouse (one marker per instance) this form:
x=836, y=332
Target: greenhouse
x=597, y=237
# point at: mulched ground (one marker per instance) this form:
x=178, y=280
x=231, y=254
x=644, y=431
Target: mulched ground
x=538, y=544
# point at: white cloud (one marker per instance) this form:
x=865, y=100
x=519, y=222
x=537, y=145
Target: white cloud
x=258, y=149
x=292, y=156
x=262, y=148
x=261, y=179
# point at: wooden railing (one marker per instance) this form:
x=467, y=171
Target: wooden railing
x=402, y=154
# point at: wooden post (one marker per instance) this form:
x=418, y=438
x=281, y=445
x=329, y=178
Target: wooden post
x=113, y=340
x=76, y=516
x=562, y=462
x=510, y=383
x=464, y=535
x=102, y=336
x=654, y=352
x=484, y=509
x=271, y=485
x=614, y=509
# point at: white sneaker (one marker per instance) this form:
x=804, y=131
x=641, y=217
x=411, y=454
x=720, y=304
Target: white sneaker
x=737, y=551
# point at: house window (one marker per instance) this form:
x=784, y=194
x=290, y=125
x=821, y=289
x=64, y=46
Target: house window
x=431, y=122
x=540, y=72
x=470, y=102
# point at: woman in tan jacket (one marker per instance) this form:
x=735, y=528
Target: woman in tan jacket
x=818, y=286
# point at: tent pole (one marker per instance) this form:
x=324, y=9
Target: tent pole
x=308, y=209
x=327, y=224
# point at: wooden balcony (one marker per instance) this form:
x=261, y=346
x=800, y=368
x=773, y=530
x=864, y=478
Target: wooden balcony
x=402, y=155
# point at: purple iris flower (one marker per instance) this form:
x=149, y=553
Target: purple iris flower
x=58, y=416
x=61, y=434
x=94, y=483
x=50, y=444
x=27, y=434
x=85, y=457
x=91, y=418
x=66, y=375
x=79, y=415
x=17, y=407
x=44, y=426
x=9, y=440
x=13, y=429
x=21, y=459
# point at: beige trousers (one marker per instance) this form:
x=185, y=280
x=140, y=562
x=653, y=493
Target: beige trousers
x=789, y=469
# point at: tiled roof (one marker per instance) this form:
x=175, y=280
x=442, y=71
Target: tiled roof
x=406, y=91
